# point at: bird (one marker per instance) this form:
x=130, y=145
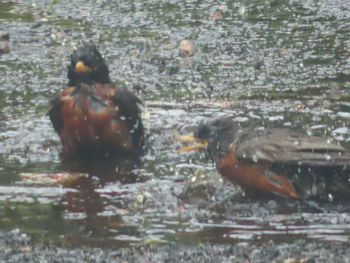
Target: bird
x=274, y=161
x=91, y=115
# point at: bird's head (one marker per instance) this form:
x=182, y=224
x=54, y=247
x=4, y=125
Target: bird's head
x=87, y=65
x=215, y=136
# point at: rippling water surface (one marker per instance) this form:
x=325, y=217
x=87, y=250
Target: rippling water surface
x=266, y=64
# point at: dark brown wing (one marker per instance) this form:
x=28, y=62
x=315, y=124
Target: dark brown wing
x=55, y=114
x=288, y=147
x=129, y=108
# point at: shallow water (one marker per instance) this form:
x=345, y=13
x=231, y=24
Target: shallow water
x=277, y=64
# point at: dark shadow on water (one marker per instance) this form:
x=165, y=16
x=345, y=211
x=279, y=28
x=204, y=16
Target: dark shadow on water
x=106, y=169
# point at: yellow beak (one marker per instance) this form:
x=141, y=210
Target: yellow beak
x=190, y=138
x=80, y=67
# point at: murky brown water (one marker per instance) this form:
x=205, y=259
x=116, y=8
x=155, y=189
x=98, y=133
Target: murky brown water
x=282, y=63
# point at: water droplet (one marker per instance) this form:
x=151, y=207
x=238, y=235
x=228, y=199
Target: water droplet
x=140, y=198
x=242, y=11
x=330, y=197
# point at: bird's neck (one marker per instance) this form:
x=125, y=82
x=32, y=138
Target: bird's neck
x=75, y=80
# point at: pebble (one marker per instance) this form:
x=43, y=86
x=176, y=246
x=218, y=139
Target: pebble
x=187, y=48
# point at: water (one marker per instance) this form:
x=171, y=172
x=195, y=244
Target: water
x=277, y=64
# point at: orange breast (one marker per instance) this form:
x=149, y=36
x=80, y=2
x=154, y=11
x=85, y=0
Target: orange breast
x=254, y=176
x=86, y=128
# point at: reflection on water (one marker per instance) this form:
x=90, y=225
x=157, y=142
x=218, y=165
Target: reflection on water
x=83, y=208
x=89, y=206
x=283, y=227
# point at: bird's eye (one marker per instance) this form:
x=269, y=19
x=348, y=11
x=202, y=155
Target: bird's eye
x=96, y=53
x=88, y=61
